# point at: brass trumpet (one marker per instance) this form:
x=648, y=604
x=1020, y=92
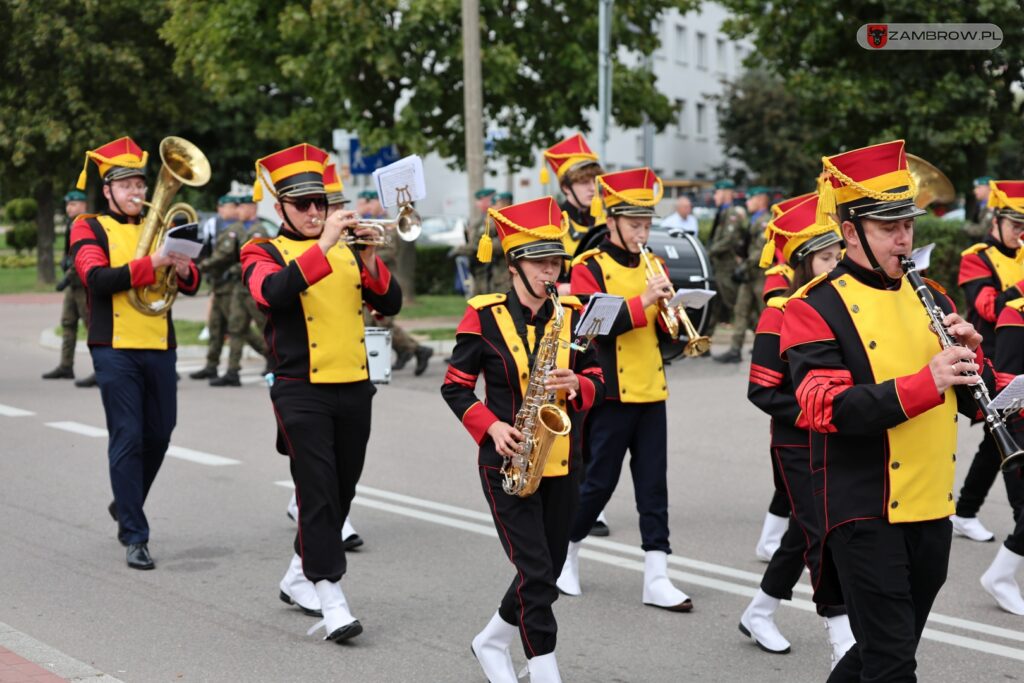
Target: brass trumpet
x=407, y=225
x=673, y=316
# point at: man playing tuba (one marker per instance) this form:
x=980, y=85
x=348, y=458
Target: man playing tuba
x=132, y=352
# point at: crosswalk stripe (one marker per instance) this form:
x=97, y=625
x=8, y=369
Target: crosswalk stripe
x=78, y=428
x=11, y=411
x=200, y=457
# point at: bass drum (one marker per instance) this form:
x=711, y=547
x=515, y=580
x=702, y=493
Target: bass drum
x=688, y=267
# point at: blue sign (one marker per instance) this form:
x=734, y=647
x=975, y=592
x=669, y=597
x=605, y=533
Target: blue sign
x=365, y=164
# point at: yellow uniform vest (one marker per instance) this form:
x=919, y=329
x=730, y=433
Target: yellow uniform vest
x=131, y=329
x=558, y=458
x=1008, y=270
x=333, y=311
x=898, y=342
x=639, y=368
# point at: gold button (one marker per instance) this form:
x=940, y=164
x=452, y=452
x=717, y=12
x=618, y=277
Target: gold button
x=659, y=368
x=842, y=283
x=309, y=318
x=357, y=286
x=872, y=344
x=314, y=370
x=855, y=308
x=663, y=387
x=564, y=463
x=313, y=345
x=895, y=504
x=304, y=293
x=362, y=367
x=895, y=464
x=515, y=348
x=362, y=341
x=524, y=375
x=954, y=457
x=351, y=263
x=950, y=496
x=621, y=371
x=285, y=251
x=117, y=315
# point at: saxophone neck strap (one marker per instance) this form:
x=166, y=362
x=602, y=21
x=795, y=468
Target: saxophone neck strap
x=515, y=309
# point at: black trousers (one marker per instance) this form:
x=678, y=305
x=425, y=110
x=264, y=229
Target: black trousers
x=139, y=392
x=890, y=574
x=534, y=532
x=324, y=428
x=780, y=503
x=981, y=476
x=639, y=428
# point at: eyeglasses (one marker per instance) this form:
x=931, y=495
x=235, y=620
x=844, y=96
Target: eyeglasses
x=134, y=187
x=302, y=204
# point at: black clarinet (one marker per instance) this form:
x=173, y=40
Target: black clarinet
x=1009, y=452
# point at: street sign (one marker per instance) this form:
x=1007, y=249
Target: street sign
x=365, y=164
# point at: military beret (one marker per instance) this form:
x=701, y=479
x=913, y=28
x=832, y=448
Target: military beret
x=75, y=196
x=503, y=196
x=724, y=184
x=757, y=189
x=983, y=180
x=484, y=192
x=227, y=199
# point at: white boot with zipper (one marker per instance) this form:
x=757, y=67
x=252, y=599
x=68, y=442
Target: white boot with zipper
x=758, y=622
x=1000, y=582
x=491, y=649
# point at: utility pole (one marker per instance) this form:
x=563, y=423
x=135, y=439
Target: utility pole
x=604, y=76
x=473, y=103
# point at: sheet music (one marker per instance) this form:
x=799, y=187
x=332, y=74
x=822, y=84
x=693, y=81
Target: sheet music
x=598, y=315
x=1010, y=398
x=922, y=256
x=183, y=239
x=691, y=298
x=401, y=182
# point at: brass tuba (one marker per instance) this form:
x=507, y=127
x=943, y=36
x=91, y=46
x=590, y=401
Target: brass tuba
x=932, y=184
x=182, y=164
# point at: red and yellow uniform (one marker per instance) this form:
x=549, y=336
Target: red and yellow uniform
x=133, y=353
x=1009, y=363
x=497, y=339
x=883, y=439
x=565, y=159
x=314, y=333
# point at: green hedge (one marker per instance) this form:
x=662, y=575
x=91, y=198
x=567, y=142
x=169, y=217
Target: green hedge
x=950, y=239
x=21, y=214
x=435, y=270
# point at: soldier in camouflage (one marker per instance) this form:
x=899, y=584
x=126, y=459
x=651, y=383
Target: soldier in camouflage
x=242, y=309
x=748, y=275
x=979, y=223
x=727, y=246
x=487, y=277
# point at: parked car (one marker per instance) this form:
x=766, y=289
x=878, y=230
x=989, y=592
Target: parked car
x=449, y=231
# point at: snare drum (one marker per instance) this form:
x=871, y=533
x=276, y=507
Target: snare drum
x=378, y=354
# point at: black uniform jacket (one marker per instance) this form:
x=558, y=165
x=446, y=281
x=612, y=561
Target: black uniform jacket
x=988, y=277
x=488, y=344
x=770, y=386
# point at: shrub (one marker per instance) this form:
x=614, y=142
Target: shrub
x=950, y=239
x=21, y=214
x=435, y=270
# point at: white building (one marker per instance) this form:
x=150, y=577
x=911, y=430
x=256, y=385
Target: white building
x=693, y=60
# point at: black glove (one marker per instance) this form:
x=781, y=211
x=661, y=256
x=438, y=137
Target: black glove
x=740, y=274
x=63, y=284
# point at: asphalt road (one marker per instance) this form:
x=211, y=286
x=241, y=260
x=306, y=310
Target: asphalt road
x=431, y=572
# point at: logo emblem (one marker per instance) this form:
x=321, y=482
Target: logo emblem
x=878, y=35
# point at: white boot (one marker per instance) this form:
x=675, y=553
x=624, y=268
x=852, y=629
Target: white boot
x=349, y=538
x=758, y=622
x=544, y=669
x=972, y=528
x=491, y=648
x=1000, y=583
x=658, y=589
x=569, y=580
x=204, y=334
x=840, y=636
x=338, y=621
x=771, y=536
x=297, y=590
x=293, y=509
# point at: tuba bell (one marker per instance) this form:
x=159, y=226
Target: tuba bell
x=932, y=184
x=182, y=164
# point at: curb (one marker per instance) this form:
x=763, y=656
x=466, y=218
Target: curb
x=48, y=658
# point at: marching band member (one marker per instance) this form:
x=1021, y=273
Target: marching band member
x=633, y=417
x=336, y=200
x=878, y=393
x=501, y=332
x=999, y=579
x=777, y=280
x=133, y=353
x=990, y=275
x=809, y=249
x=575, y=167
x=312, y=286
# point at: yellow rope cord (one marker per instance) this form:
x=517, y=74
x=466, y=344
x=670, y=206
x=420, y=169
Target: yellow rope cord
x=635, y=202
x=484, y=249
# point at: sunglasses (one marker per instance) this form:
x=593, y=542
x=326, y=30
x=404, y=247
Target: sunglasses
x=302, y=204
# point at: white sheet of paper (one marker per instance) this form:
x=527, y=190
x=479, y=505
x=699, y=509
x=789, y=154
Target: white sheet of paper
x=1011, y=396
x=601, y=310
x=179, y=240
x=691, y=298
x=922, y=256
x=401, y=182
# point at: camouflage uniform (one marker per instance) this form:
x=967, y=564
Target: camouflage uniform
x=401, y=342
x=243, y=310
x=981, y=222
x=487, y=278
x=75, y=308
x=728, y=240
x=749, y=303
x=217, y=268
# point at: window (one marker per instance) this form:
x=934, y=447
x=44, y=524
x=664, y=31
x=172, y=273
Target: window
x=720, y=55
x=681, y=128
x=702, y=51
x=682, y=46
x=640, y=147
x=702, y=124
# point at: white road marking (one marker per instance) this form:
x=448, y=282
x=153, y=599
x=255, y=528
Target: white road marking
x=686, y=578
x=172, y=451
x=11, y=411
x=200, y=457
x=78, y=428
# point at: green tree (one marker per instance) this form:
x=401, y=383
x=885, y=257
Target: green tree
x=950, y=106
x=74, y=75
x=392, y=70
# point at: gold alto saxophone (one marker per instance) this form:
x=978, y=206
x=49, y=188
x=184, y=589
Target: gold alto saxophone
x=539, y=420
